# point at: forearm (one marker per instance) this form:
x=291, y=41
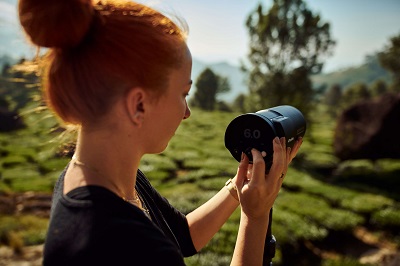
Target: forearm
x=206, y=220
x=250, y=242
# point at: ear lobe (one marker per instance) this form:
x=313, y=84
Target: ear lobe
x=135, y=106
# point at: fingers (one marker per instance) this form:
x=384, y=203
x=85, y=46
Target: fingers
x=249, y=171
x=279, y=158
x=295, y=149
x=255, y=172
x=258, y=169
x=241, y=175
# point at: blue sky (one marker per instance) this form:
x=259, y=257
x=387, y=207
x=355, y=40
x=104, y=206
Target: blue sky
x=218, y=33
x=217, y=30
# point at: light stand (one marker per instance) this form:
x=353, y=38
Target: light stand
x=270, y=244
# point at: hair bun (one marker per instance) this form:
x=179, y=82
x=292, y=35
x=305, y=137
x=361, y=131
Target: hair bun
x=56, y=23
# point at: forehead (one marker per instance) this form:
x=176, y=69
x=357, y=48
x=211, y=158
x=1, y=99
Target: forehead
x=184, y=70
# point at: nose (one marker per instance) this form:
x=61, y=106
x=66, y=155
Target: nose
x=187, y=112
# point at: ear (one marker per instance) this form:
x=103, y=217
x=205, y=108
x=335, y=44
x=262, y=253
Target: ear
x=135, y=105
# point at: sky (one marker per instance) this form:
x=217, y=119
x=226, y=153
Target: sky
x=217, y=31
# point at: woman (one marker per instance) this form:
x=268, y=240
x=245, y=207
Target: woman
x=121, y=72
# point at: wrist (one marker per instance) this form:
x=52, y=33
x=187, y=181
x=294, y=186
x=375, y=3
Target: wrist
x=257, y=222
x=231, y=187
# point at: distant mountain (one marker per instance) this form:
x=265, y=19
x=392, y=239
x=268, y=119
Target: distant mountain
x=6, y=60
x=367, y=73
x=234, y=75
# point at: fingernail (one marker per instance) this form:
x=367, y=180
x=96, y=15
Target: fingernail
x=276, y=139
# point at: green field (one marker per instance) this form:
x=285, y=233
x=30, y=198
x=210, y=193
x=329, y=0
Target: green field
x=322, y=207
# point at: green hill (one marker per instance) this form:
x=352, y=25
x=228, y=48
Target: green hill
x=367, y=73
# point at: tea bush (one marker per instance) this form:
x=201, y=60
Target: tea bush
x=312, y=204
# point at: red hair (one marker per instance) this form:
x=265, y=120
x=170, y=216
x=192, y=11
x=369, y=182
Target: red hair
x=98, y=52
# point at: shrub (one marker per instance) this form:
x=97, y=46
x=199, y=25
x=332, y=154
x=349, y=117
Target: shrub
x=354, y=168
x=366, y=203
x=187, y=202
x=204, y=259
x=51, y=165
x=22, y=230
x=289, y=227
x=300, y=180
x=319, y=211
x=215, y=184
x=198, y=175
x=388, y=217
x=13, y=160
x=153, y=162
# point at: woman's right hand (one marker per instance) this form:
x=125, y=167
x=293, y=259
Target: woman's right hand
x=258, y=191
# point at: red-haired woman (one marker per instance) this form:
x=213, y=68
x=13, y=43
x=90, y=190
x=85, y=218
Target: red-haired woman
x=122, y=71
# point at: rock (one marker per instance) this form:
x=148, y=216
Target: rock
x=369, y=130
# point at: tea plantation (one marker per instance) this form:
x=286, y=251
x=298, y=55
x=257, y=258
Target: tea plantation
x=327, y=213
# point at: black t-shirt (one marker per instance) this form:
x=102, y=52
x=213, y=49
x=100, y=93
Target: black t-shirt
x=93, y=226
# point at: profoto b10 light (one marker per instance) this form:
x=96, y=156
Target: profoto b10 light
x=257, y=130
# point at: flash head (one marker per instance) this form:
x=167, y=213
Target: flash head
x=257, y=130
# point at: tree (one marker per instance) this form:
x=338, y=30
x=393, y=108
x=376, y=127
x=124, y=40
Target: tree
x=390, y=60
x=208, y=87
x=239, y=103
x=355, y=93
x=287, y=44
x=333, y=95
x=378, y=88
x=5, y=70
x=333, y=99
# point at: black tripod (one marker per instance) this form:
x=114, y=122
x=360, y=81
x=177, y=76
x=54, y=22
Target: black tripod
x=270, y=244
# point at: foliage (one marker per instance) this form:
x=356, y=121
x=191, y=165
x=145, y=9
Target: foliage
x=288, y=36
x=378, y=88
x=367, y=203
x=333, y=98
x=387, y=217
x=22, y=231
x=287, y=44
x=19, y=84
x=209, y=85
x=355, y=93
x=389, y=59
x=239, y=103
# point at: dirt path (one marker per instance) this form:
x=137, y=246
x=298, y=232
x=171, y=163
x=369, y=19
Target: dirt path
x=30, y=256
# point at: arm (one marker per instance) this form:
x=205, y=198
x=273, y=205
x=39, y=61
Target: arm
x=257, y=193
x=206, y=220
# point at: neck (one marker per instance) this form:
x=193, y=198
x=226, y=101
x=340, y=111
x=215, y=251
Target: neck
x=108, y=160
